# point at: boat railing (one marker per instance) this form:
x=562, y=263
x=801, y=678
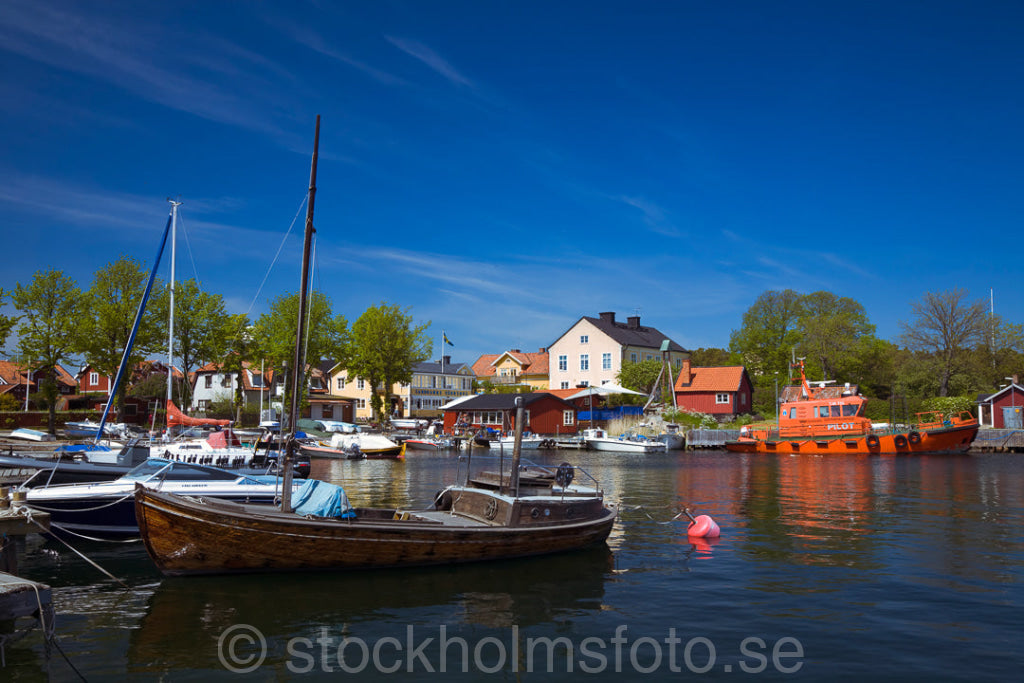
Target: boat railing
x=472, y=466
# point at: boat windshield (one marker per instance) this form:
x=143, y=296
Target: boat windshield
x=160, y=468
x=850, y=410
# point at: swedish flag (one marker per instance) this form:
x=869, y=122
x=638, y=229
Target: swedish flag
x=446, y=339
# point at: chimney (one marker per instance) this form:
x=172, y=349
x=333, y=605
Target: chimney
x=542, y=350
x=633, y=322
x=685, y=376
x=608, y=317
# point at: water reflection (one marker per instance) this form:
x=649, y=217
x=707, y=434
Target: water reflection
x=193, y=612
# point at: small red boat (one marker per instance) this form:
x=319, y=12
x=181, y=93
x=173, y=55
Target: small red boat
x=833, y=422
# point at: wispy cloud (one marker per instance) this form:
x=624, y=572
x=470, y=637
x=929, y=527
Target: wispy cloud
x=431, y=59
x=654, y=216
x=130, y=57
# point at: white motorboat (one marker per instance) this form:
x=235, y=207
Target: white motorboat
x=107, y=509
x=530, y=442
x=599, y=440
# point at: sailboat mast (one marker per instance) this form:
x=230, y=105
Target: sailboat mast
x=300, y=335
x=170, y=324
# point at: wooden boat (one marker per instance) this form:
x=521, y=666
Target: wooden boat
x=489, y=516
x=833, y=422
x=479, y=520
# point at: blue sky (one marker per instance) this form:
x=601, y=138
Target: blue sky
x=503, y=168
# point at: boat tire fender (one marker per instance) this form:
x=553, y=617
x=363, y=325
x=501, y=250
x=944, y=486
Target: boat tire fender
x=872, y=441
x=443, y=500
x=565, y=474
x=900, y=441
x=914, y=438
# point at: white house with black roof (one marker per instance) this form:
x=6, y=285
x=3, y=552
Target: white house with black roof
x=593, y=350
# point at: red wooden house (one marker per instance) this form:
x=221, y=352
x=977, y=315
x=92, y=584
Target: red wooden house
x=1003, y=409
x=545, y=414
x=714, y=391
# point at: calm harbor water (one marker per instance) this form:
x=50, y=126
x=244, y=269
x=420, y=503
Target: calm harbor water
x=841, y=568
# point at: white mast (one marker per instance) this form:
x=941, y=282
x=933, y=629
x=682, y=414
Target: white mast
x=170, y=326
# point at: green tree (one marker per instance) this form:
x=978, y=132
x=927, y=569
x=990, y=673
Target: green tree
x=830, y=329
x=947, y=327
x=241, y=350
x=712, y=357
x=6, y=322
x=49, y=325
x=640, y=376
x=770, y=331
x=385, y=346
x=108, y=314
x=201, y=326
x=327, y=338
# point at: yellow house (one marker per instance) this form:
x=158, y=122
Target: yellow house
x=514, y=367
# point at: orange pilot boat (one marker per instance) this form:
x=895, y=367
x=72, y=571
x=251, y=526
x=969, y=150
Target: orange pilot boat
x=826, y=421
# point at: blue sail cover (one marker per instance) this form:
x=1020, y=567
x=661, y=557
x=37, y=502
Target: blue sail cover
x=322, y=499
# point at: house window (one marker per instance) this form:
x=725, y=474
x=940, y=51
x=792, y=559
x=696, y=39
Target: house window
x=360, y=384
x=606, y=361
x=563, y=363
x=721, y=398
x=568, y=417
x=341, y=382
x=632, y=357
x=584, y=339
x=564, y=385
x=743, y=400
x=328, y=412
x=361, y=403
x=94, y=378
x=584, y=362
x=208, y=381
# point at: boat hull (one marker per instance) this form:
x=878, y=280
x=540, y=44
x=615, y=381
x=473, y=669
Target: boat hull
x=953, y=439
x=344, y=454
x=189, y=536
x=624, y=446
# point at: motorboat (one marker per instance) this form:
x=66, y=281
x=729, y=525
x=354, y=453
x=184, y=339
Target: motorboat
x=597, y=439
x=354, y=447
x=106, y=510
x=530, y=442
x=825, y=420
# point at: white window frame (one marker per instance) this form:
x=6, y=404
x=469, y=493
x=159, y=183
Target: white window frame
x=721, y=398
x=606, y=361
x=94, y=378
x=584, y=362
x=563, y=363
x=584, y=339
x=568, y=418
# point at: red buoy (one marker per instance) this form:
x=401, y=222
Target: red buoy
x=703, y=527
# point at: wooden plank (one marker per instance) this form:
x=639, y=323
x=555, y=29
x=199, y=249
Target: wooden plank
x=21, y=597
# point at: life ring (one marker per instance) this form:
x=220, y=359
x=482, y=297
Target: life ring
x=900, y=441
x=872, y=441
x=914, y=438
x=565, y=474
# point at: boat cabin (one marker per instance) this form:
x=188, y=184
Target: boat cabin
x=817, y=412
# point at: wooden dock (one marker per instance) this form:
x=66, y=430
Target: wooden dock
x=710, y=438
x=998, y=441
